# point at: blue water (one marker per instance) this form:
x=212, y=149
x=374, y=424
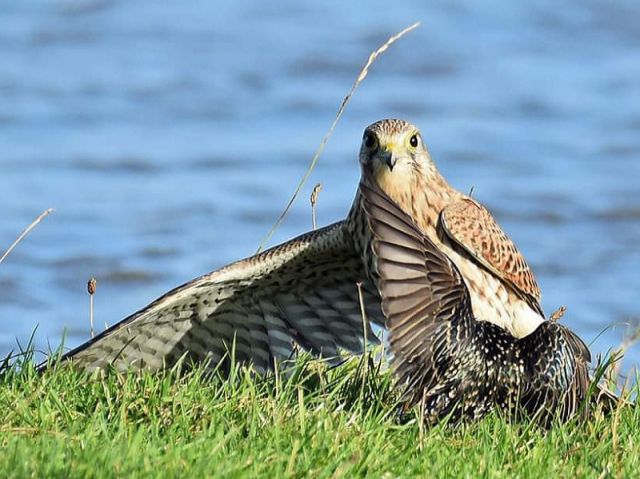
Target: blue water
x=168, y=136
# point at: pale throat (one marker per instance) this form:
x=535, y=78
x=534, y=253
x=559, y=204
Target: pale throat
x=422, y=194
x=398, y=184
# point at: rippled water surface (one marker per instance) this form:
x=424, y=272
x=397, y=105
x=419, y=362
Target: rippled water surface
x=168, y=136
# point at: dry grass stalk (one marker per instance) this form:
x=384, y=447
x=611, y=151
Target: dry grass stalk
x=33, y=224
x=364, y=318
x=361, y=76
x=92, y=284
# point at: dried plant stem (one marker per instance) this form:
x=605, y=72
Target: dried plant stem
x=365, y=339
x=363, y=313
x=91, y=288
x=361, y=76
x=91, y=330
x=25, y=233
x=314, y=201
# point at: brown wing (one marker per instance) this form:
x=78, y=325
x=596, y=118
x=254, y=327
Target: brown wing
x=424, y=298
x=471, y=226
x=303, y=291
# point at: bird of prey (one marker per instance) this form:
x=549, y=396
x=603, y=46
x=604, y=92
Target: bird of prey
x=502, y=287
x=307, y=291
x=449, y=362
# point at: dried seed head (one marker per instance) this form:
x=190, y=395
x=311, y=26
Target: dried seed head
x=558, y=314
x=314, y=194
x=91, y=286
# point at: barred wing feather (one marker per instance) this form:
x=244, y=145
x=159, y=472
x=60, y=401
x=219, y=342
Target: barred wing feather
x=301, y=292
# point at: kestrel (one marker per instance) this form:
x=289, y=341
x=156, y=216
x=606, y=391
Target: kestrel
x=305, y=291
x=447, y=361
x=502, y=287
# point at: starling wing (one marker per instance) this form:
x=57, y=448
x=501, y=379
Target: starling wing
x=425, y=301
x=301, y=292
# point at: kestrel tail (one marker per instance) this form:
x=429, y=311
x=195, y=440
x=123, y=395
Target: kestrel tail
x=502, y=287
x=447, y=361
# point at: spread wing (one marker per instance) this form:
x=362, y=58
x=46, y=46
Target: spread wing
x=303, y=291
x=424, y=298
x=471, y=226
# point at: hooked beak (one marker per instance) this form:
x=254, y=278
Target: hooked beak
x=389, y=159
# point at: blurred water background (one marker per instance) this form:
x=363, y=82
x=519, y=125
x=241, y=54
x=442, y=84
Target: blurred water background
x=168, y=136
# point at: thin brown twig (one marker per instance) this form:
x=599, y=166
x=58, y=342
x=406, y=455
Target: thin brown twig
x=33, y=224
x=361, y=76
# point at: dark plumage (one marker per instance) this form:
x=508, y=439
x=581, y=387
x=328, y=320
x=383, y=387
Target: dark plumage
x=448, y=361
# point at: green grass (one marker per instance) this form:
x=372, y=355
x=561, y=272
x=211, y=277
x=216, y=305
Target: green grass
x=317, y=422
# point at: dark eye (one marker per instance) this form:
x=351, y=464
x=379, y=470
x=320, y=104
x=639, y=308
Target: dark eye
x=413, y=141
x=370, y=140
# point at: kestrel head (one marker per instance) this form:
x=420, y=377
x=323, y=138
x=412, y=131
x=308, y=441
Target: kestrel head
x=393, y=152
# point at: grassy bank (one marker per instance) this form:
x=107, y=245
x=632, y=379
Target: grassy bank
x=318, y=422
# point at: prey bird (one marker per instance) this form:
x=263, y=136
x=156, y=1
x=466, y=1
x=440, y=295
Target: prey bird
x=445, y=359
